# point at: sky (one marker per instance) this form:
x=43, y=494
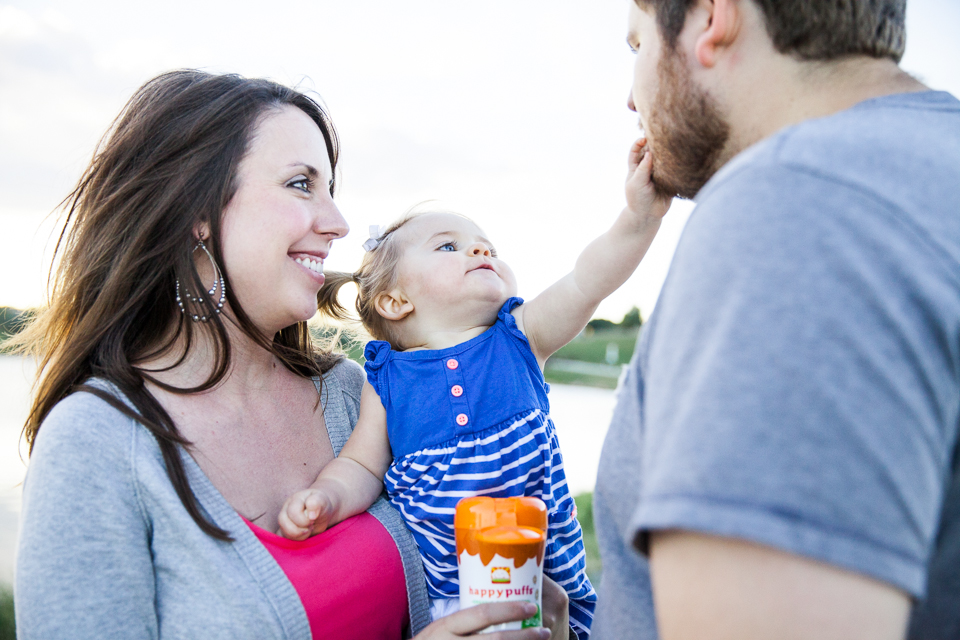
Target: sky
x=512, y=112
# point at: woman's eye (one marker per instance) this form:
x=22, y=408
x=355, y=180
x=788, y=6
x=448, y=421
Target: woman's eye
x=449, y=246
x=302, y=183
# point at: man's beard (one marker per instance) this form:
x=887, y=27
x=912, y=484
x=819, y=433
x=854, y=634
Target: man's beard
x=687, y=131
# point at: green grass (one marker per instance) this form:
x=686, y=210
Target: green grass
x=585, y=516
x=8, y=630
x=583, y=380
x=11, y=321
x=592, y=346
x=326, y=337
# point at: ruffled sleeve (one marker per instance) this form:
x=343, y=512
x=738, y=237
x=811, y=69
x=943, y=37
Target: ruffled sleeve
x=376, y=352
x=509, y=321
x=508, y=324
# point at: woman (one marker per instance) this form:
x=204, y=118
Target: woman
x=180, y=400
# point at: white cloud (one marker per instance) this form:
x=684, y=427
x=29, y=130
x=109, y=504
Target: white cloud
x=16, y=24
x=512, y=112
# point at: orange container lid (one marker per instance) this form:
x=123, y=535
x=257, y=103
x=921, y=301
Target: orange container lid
x=511, y=535
x=484, y=512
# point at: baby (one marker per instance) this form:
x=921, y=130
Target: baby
x=455, y=402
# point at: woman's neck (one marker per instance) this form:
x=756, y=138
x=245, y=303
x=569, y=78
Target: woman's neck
x=251, y=366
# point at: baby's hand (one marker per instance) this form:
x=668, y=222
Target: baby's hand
x=304, y=514
x=642, y=196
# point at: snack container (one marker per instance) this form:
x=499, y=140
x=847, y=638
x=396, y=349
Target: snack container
x=500, y=547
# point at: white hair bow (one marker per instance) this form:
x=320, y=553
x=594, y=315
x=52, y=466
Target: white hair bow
x=376, y=234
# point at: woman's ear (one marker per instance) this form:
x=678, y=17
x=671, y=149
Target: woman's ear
x=720, y=30
x=201, y=231
x=393, y=305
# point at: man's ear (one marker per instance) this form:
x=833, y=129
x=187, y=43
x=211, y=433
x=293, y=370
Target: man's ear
x=393, y=305
x=721, y=30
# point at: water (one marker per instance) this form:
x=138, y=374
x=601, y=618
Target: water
x=16, y=375
x=581, y=415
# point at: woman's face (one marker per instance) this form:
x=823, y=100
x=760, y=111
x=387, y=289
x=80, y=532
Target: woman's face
x=279, y=225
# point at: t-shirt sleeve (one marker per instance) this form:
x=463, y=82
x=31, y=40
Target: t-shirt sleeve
x=801, y=377
x=84, y=567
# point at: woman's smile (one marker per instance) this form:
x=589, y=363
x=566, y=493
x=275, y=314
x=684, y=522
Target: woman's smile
x=312, y=264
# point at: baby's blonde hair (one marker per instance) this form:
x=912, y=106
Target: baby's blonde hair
x=377, y=273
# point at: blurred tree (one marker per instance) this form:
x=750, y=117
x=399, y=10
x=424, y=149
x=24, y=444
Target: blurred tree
x=632, y=319
x=599, y=324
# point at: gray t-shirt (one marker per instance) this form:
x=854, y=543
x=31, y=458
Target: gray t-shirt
x=798, y=384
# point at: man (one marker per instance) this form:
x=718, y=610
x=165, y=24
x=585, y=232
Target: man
x=782, y=462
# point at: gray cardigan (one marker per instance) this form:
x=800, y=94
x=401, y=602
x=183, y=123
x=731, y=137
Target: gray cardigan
x=107, y=549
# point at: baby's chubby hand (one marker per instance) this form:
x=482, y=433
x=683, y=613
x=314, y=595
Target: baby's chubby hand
x=304, y=514
x=642, y=197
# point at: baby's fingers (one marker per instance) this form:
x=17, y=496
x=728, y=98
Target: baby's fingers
x=638, y=151
x=290, y=529
x=314, y=506
x=302, y=508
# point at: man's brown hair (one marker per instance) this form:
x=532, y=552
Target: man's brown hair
x=812, y=29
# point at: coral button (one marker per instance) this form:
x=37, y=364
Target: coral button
x=462, y=419
x=457, y=390
x=452, y=364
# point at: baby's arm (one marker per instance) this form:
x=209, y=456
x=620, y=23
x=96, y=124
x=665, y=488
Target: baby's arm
x=558, y=314
x=350, y=483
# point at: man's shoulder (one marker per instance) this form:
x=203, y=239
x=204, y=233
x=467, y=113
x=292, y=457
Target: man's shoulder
x=904, y=135
x=892, y=157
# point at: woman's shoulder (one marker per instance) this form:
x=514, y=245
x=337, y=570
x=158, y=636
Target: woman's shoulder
x=348, y=375
x=84, y=437
x=85, y=420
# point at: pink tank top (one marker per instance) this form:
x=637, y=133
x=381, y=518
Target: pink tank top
x=349, y=578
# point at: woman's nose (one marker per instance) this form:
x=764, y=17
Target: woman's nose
x=329, y=221
x=479, y=249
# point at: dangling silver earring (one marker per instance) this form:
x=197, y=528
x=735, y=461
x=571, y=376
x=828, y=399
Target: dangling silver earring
x=217, y=284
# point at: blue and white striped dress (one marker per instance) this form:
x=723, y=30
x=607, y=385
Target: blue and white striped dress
x=469, y=420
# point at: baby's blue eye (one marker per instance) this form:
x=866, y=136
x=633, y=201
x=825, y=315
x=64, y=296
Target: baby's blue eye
x=449, y=246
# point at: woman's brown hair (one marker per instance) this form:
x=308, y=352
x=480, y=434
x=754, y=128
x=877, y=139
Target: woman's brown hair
x=168, y=163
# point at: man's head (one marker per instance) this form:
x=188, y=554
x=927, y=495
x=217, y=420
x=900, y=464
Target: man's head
x=686, y=123
x=811, y=29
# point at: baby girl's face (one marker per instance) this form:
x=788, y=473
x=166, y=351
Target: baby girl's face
x=449, y=262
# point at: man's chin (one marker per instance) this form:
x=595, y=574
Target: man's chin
x=690, y=131
x=672, y=179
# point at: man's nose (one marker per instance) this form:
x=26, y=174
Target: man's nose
x=630, y=104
